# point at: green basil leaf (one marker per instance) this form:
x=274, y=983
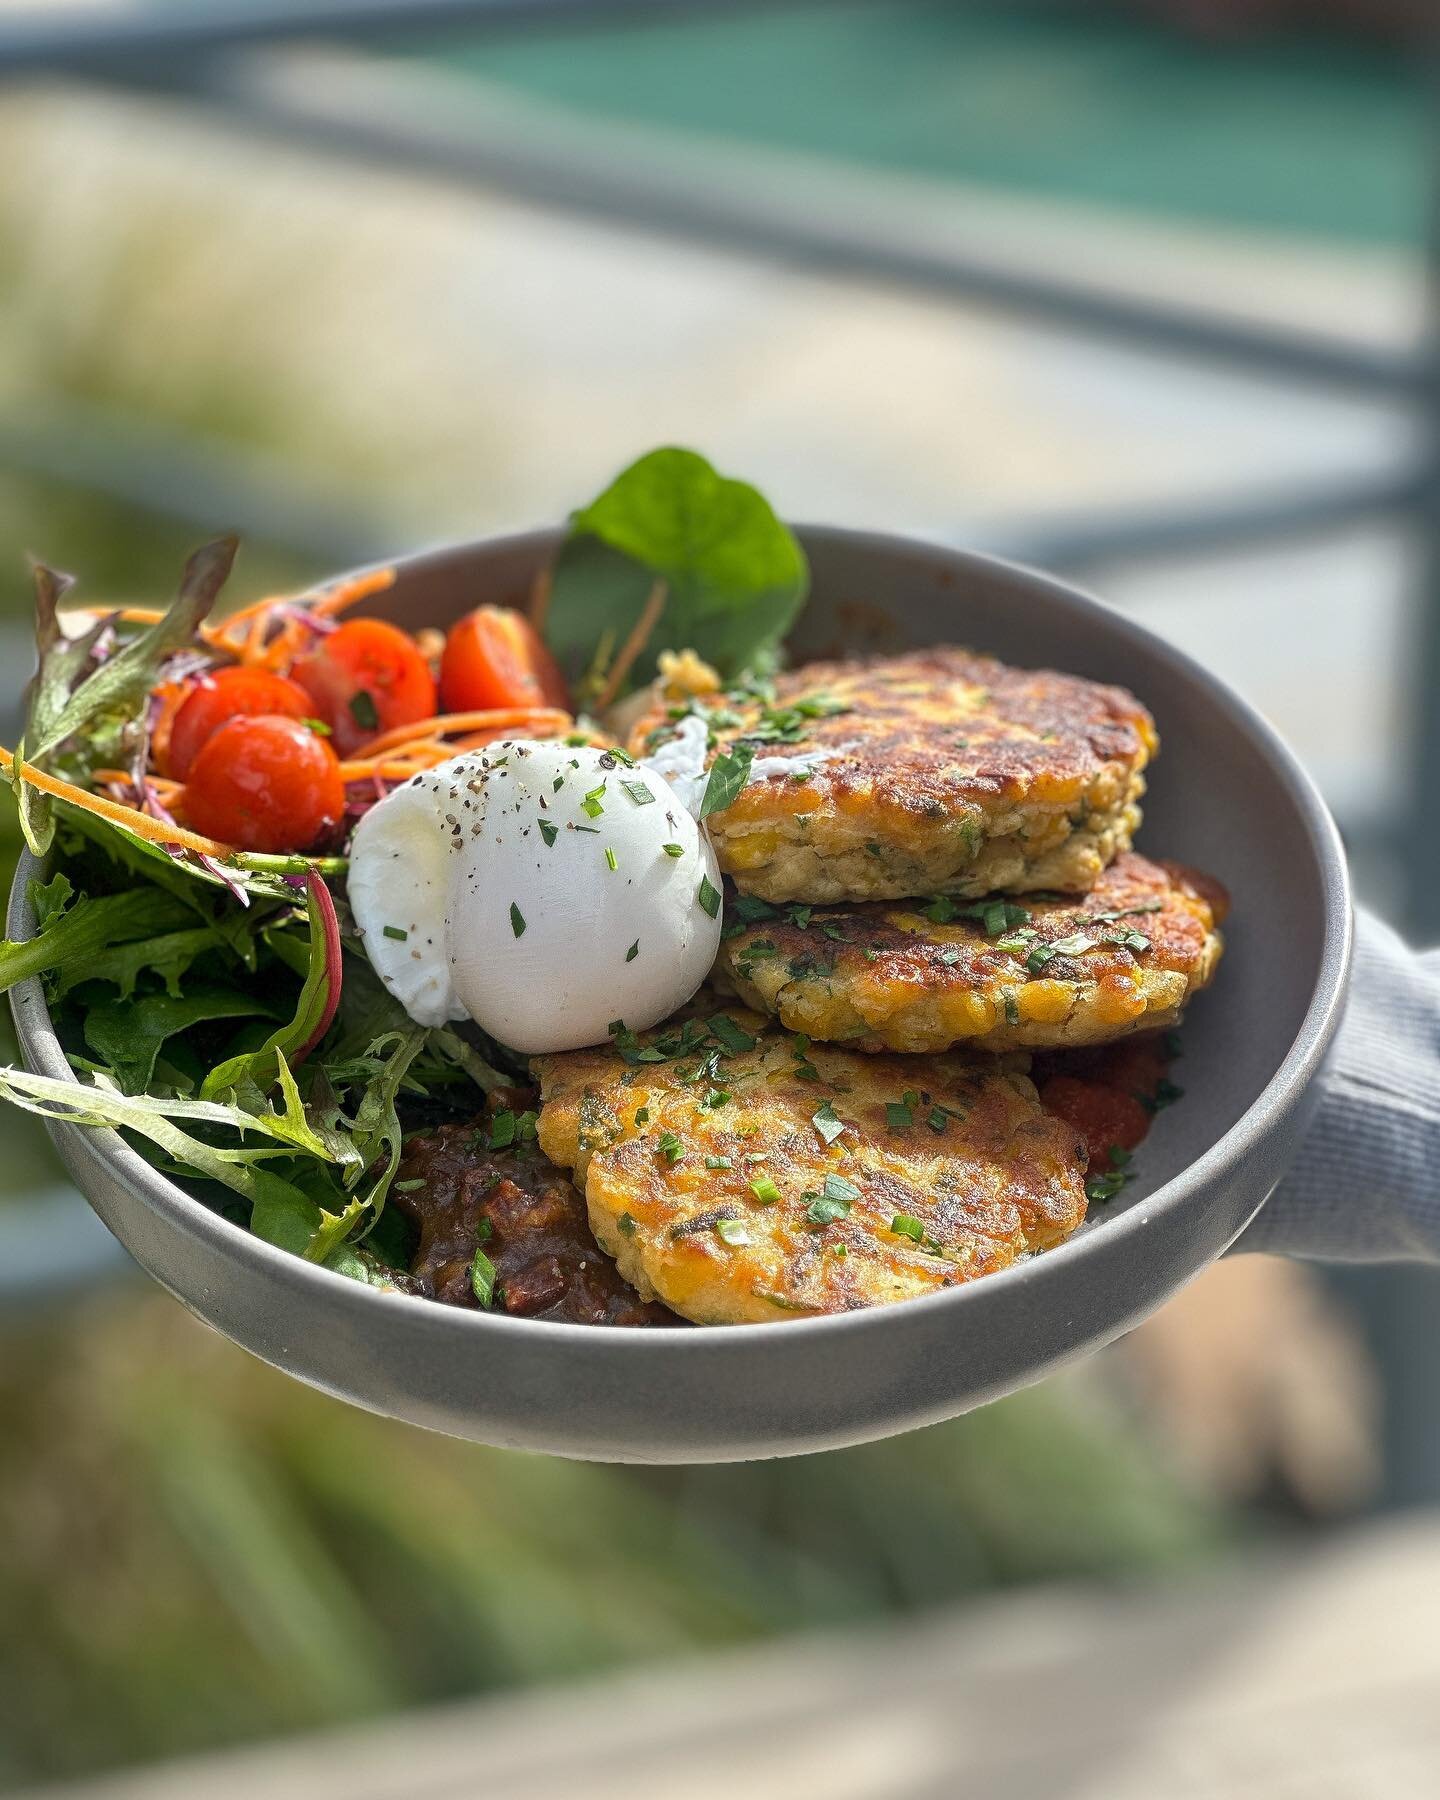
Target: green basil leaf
x=735, y=575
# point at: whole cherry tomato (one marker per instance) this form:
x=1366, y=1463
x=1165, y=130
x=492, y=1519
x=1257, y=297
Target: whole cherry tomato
x=265, y=783
x=494, y=657
x=228, y=694
x=365, y=678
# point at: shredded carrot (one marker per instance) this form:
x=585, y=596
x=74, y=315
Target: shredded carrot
x=254, y=642
x=389, y=768
x=165, y=790
x=443, y=724
x=350, y=593
x=155, y=831
x=254, y=618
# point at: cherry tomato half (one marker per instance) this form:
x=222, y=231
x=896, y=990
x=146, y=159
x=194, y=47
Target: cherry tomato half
x=495, y=657
x=228, y=694
x=265, y=783
x=365, y=678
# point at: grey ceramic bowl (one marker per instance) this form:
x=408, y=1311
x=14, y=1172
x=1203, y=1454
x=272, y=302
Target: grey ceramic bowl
x=1226, y=795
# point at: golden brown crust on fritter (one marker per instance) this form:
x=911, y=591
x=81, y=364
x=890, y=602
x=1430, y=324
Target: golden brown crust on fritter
x=772, y=1178
x=936, y=772
x=1049, y=973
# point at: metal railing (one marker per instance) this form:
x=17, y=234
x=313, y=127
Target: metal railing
x=184, y=52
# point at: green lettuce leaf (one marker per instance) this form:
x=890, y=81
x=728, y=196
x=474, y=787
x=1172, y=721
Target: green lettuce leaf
x=377, y=1132
x=63, y=702
x=128, y=1034
x=162, y=1119
x=258, y=1068
x=74, y=934
x=286, y=1216
x=734, y=574
x=168, y=955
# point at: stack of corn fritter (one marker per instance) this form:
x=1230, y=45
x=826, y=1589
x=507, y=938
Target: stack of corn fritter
x=932, y=905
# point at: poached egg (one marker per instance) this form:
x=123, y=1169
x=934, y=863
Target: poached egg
x=544, y=890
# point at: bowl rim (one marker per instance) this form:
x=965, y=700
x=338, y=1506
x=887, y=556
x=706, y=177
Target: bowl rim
x=1282, y=1093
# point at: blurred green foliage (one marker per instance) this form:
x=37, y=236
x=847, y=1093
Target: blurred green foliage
x=198, y=1550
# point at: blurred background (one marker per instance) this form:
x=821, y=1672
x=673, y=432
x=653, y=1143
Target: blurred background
x=1136, y=291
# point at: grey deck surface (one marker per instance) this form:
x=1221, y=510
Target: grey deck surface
x=1306, y=1679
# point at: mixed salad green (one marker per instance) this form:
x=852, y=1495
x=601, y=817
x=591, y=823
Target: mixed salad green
x=221, y=1013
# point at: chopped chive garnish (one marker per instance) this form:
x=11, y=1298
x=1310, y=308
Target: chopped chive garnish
x=732, y=1036
x=719, y=1162
x=642, y=1115
x=409, y=1187
x=673, y=849
x=549, y=831
x=827, y=1122
x=610, y=858
x=638, y=792
x=633, y=951
x=670, y=1147
x=731, y=1231
x=1000, y=915
x=821, y=1211
x=898, y=1116
x=765, y=1190
x=907, y=1225
x=394, y=931
x=517, y=920
x=938, y=1119
x=482, y=1278
x=1076, y=944
x=626, y=1224
x=709, y=896
x=363, y=711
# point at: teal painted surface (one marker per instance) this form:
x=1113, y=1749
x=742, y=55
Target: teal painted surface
x=1304, y=133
